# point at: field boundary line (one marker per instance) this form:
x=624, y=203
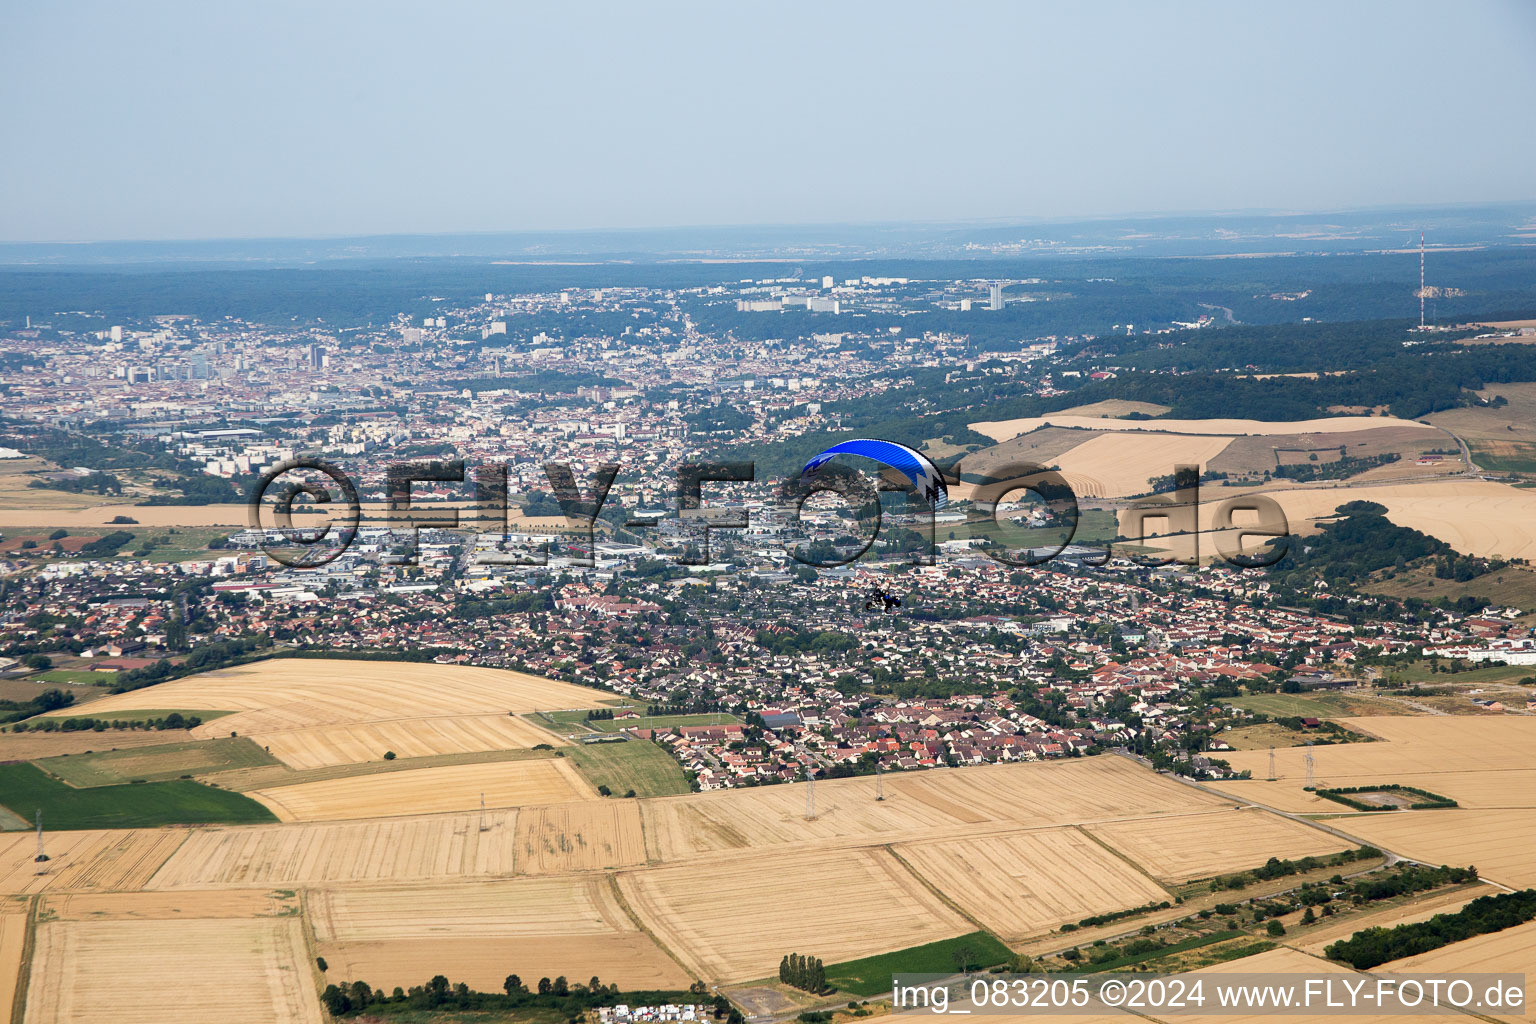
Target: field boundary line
x=890, y=848
x=1149, y=876
x=28, y=949
x=618, y=895
x=310, y=941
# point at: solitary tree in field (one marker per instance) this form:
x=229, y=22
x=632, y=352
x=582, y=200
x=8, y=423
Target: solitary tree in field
x=963, y=957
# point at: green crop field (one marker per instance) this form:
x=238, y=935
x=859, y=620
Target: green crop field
x=156, y=764
x=872, y=975
x=662, y=721
x=635, y=764
x=25, y=788
x=76, y=676
x=1287, y=705
x=148, y=713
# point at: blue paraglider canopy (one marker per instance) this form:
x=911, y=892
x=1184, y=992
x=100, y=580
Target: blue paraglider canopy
x=910, y=463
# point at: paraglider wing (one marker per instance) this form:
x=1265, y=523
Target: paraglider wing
x=912, y=464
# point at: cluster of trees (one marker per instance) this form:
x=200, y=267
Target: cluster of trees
x=558, y=995
x=1277, y=868
x=540, y=600
x=1338, y=469
x=97, y=481
x=1375, y=946
x=803, y=972
x=50, y=699
x=206, y=657
x=174, y=720
x=600, y=715
x=1462, y=569
x=1363, y=541
x=196, y=488
x=1427, y=799
x=106, y=547
x=1116, y=915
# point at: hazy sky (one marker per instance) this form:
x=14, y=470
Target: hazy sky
x=210, y=119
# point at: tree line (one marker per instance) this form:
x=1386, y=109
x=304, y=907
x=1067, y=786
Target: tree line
x=803, y=972
x=1372, y=947
x=558, y=995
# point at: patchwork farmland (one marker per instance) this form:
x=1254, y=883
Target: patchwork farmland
x=391, y=872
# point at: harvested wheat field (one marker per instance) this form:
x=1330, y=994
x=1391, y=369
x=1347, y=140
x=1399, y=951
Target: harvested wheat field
x=1202, y=845
x=583, y=836
x=221, y=904
x=27, y=512
x=324, y=691
x=732, y=919
x=508, y=908
x=680, y=827
x=1419, y=746
x=416, y=737
x=1002, y=430
x=28, y=746
x=922, y=805
x=1497, y=843
x=1120, y=464
x=457, y=787
x=1029, y=882
x=536, y=927
x=13, y=943
x=631, y=960
x=1280, y=794
x=150, y=972
x=90, y=860
x=437, y=847
x=1058, y=793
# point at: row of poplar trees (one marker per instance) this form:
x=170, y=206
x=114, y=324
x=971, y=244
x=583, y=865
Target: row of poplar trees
x=803, y=972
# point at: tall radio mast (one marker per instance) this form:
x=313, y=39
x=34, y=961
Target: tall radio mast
x=1421, y=280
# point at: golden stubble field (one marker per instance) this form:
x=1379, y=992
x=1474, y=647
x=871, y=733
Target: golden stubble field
x=254, y=971
x=13, y=944
x=326, y=691
x=443, y=847
x=416, y=737
x=1485, y=763
x=98, y=860
x=931, y=804
x=458, y=787
x=1203, y=845
x=732, y=918
x=314, y=713
x=1025, y=883
x=536, y=927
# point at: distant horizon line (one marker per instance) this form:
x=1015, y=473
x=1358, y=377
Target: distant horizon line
x=912, y=224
